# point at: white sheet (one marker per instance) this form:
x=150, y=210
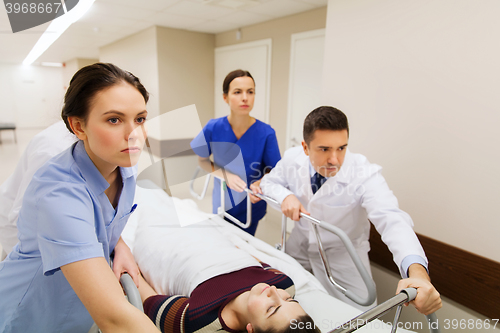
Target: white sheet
x=154, y=230
x=160, y=233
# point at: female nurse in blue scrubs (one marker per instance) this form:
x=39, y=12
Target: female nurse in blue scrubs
x=58, y=277
x=226, y=137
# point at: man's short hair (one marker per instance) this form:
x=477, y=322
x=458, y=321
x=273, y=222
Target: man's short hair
x=324, y=118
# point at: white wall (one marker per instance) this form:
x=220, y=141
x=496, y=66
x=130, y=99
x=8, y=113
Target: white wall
x=419, y=81
x=30, y=96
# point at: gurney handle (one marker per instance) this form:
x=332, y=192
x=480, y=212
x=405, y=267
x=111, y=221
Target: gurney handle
x=205, y=186
x=221, y=210
x=133, y=295
x=370, y=285
x=406, y=295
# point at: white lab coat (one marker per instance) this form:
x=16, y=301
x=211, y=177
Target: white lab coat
x=45, y=145
x=357, y=193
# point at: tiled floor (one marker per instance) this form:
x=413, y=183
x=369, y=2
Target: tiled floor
x=269, y=229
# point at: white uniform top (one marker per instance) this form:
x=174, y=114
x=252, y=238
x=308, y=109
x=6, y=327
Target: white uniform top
x=357, y=194
x=45, y=145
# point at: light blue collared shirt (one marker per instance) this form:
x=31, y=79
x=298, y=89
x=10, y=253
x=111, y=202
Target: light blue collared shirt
x=407, y=261
x=65, y=217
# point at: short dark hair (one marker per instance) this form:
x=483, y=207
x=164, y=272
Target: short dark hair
x=301, y=324
x=233, y=75
x=324, y=118
x=90, y=80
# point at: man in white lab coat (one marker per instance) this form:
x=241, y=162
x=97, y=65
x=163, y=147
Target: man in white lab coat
x=324, y=179
x=45, y=145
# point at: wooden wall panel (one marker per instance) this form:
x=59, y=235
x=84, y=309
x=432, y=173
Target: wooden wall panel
x=462, y=276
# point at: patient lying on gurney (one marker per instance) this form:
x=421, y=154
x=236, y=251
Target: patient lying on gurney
x=253, y=299
x=210, y=283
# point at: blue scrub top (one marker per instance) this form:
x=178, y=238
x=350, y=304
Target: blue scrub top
x=260, y=152
x=65, y=217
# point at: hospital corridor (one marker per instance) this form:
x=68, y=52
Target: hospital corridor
x=11, y=151
x=367, y=130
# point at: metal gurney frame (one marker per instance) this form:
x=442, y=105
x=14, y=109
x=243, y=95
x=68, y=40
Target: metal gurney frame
x=370, y=285
x=221, y=210
x=404, y=296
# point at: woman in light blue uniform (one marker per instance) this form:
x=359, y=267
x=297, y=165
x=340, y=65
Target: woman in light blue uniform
x=228, y=137
x=58, y=277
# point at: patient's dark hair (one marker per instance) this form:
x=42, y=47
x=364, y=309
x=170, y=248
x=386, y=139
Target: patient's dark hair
x=233, y=75
x=301, y=324
x=90, y=80
x=324, y=118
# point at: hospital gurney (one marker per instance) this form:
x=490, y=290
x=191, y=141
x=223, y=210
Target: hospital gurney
x=404, y=296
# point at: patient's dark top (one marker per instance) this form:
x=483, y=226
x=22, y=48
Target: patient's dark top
x=202, y=311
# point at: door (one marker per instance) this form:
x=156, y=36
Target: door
x=306, y=69
x=254, y=57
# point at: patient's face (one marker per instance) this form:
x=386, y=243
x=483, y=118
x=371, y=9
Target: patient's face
x=271, y=307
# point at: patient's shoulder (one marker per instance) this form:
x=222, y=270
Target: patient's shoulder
x=168, y=309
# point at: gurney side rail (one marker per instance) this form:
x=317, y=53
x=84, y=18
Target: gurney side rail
x=370, y=285
x=223, y=188
x=406, y=295
x=131, y=291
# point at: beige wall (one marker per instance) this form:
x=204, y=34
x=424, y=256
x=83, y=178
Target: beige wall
x=184, y=63
x=138, y=54
x=72, y=66
x=176, y=66
x=186, y=70
x=419, y=82
x=280, y=30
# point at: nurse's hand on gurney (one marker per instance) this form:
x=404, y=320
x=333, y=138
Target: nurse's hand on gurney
x=428, y=299
x=233, y=181
x=292, y=207
x=124, y=262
